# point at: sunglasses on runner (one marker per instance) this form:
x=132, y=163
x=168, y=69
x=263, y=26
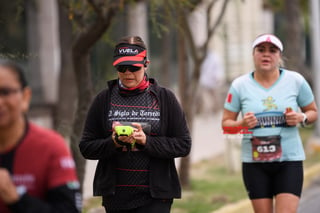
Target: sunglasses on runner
x=124, y=68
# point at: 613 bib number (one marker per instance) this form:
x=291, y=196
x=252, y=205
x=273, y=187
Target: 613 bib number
x=266, y=148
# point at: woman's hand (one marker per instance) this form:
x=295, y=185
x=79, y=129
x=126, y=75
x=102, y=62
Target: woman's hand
x=124, y=139
x=8, y=192
x=293, y=118
x=249, y=120
x=138, y=134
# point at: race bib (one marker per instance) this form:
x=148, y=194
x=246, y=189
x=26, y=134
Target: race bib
x=266, y=148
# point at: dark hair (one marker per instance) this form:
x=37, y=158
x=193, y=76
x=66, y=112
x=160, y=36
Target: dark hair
x=136, y=40
x=17, y=69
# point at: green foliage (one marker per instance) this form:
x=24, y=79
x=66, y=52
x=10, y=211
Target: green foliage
x=274, y=5
x=84, y=13
x=91, y=203
x=278, y=5
x=305, y=9
x=313, y=156
x=101, y=62
x=212, y=187
x=163, y=12
x=162, y=17
x=158, y=17
x=13, y=30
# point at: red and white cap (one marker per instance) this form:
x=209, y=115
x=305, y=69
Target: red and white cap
x=268, y=38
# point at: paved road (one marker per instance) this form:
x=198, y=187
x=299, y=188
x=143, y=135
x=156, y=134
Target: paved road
x=310, y=199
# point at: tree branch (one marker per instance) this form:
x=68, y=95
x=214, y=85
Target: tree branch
x=188, y=34
x=209, y=13
x=211, y=30
x=219, y=19
x=86, y=39
x=96, y=8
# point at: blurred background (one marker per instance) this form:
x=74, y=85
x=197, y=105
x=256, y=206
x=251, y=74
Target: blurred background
x=196, y=48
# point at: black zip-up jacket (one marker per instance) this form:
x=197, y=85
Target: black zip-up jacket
x=173, y=141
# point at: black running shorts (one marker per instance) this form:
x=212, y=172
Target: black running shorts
x=265, y=180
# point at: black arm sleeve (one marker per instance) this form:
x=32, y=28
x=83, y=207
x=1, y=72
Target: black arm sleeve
x=96, y=142
x=61, y=199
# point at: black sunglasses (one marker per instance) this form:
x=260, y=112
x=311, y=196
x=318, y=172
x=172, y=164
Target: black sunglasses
x=124, y=68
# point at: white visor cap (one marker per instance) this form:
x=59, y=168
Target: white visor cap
x=268, y=38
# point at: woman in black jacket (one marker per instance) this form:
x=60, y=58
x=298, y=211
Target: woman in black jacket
x=136, y=172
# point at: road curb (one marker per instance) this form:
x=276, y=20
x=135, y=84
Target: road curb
x=245, y=204
x=238, y=207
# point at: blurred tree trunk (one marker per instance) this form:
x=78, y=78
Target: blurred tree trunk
x=183, y=82
x=67, y=95
x=65, y=107
x=166, y=51
x=81, y=47
x=85, y=90
x=197, y=55
x=86, y=34
x=33, y=47
x=294, y=42
x=165, y=60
